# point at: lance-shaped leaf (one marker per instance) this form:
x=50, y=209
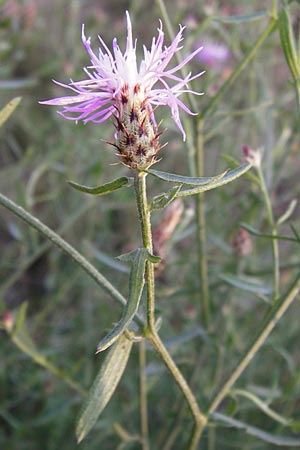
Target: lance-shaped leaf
x=249, y=284
x=104, y=385
x=8, y=109
x=138, y=259
x=183, y=180
x=104, y=188
x=227, y=177
x=241, y=19
x=262, y=405
x=163, y=200
x=282, y=441
x=258, y=233
x=288, y=43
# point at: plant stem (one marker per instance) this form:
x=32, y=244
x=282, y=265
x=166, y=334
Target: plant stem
x=298, y=95
x=150, y=331
x=272, y=224
x=24, y=343
x=66, y=248
x=240, y=67
x=144, y=218
x=201, y=231
x=270, y=321
x=199, y=418
x=143, y=396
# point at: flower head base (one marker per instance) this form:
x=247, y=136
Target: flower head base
x=117, y=86
x=252, y=156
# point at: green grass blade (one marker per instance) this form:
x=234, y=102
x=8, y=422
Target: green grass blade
x=262, y=406
x=241, y=19
x=35, y=223
x=257, y=432
x=247, y=284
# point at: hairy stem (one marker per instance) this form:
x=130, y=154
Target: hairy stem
x=150, y=331
x=144, y=218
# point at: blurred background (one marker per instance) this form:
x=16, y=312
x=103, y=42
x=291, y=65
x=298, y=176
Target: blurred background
x=67, y=313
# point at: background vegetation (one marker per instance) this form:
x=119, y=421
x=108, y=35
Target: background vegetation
x=67, y=314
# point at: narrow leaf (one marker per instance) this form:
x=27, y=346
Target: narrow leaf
x=22, y=339
x=104, y=385
x=21, y=317
x=262, y=406
x=247, y=284
x=136, y=283
x=225, y=178
x=295, y=232
x=256, y=432
x=106, y=259
x=289, y=211
x=288, y=43
x=188, y=181
x=241, y=19
x=104, y=188
x=8, y=109
x=258, y=233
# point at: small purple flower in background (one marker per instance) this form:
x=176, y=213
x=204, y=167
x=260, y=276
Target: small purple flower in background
x=116, y=85
x=214, y=54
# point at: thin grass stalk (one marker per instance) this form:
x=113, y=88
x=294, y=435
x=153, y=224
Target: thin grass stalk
x=21, y=342
x=67, y=249
x=143, y=396
x=239, y=68
x=268, y=324
x=201, y=232
x=275, y=249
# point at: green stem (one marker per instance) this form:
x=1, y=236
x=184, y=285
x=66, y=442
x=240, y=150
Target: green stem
x=240, y=67
x=68, y=249
x=144, y=218
x=43, y=248
x=143, y=396
x=199, y=418
x=150, y=331
x=270, y=321
x=23, y=342
x=298, y=95
x=272, y=224
x=274, y=8
x=201, y=231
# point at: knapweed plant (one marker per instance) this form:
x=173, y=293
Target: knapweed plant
x=129, y=92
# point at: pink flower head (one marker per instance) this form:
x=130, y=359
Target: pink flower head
x=114, y=78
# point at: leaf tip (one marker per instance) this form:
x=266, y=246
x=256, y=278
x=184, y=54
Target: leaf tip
x=80, y=434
